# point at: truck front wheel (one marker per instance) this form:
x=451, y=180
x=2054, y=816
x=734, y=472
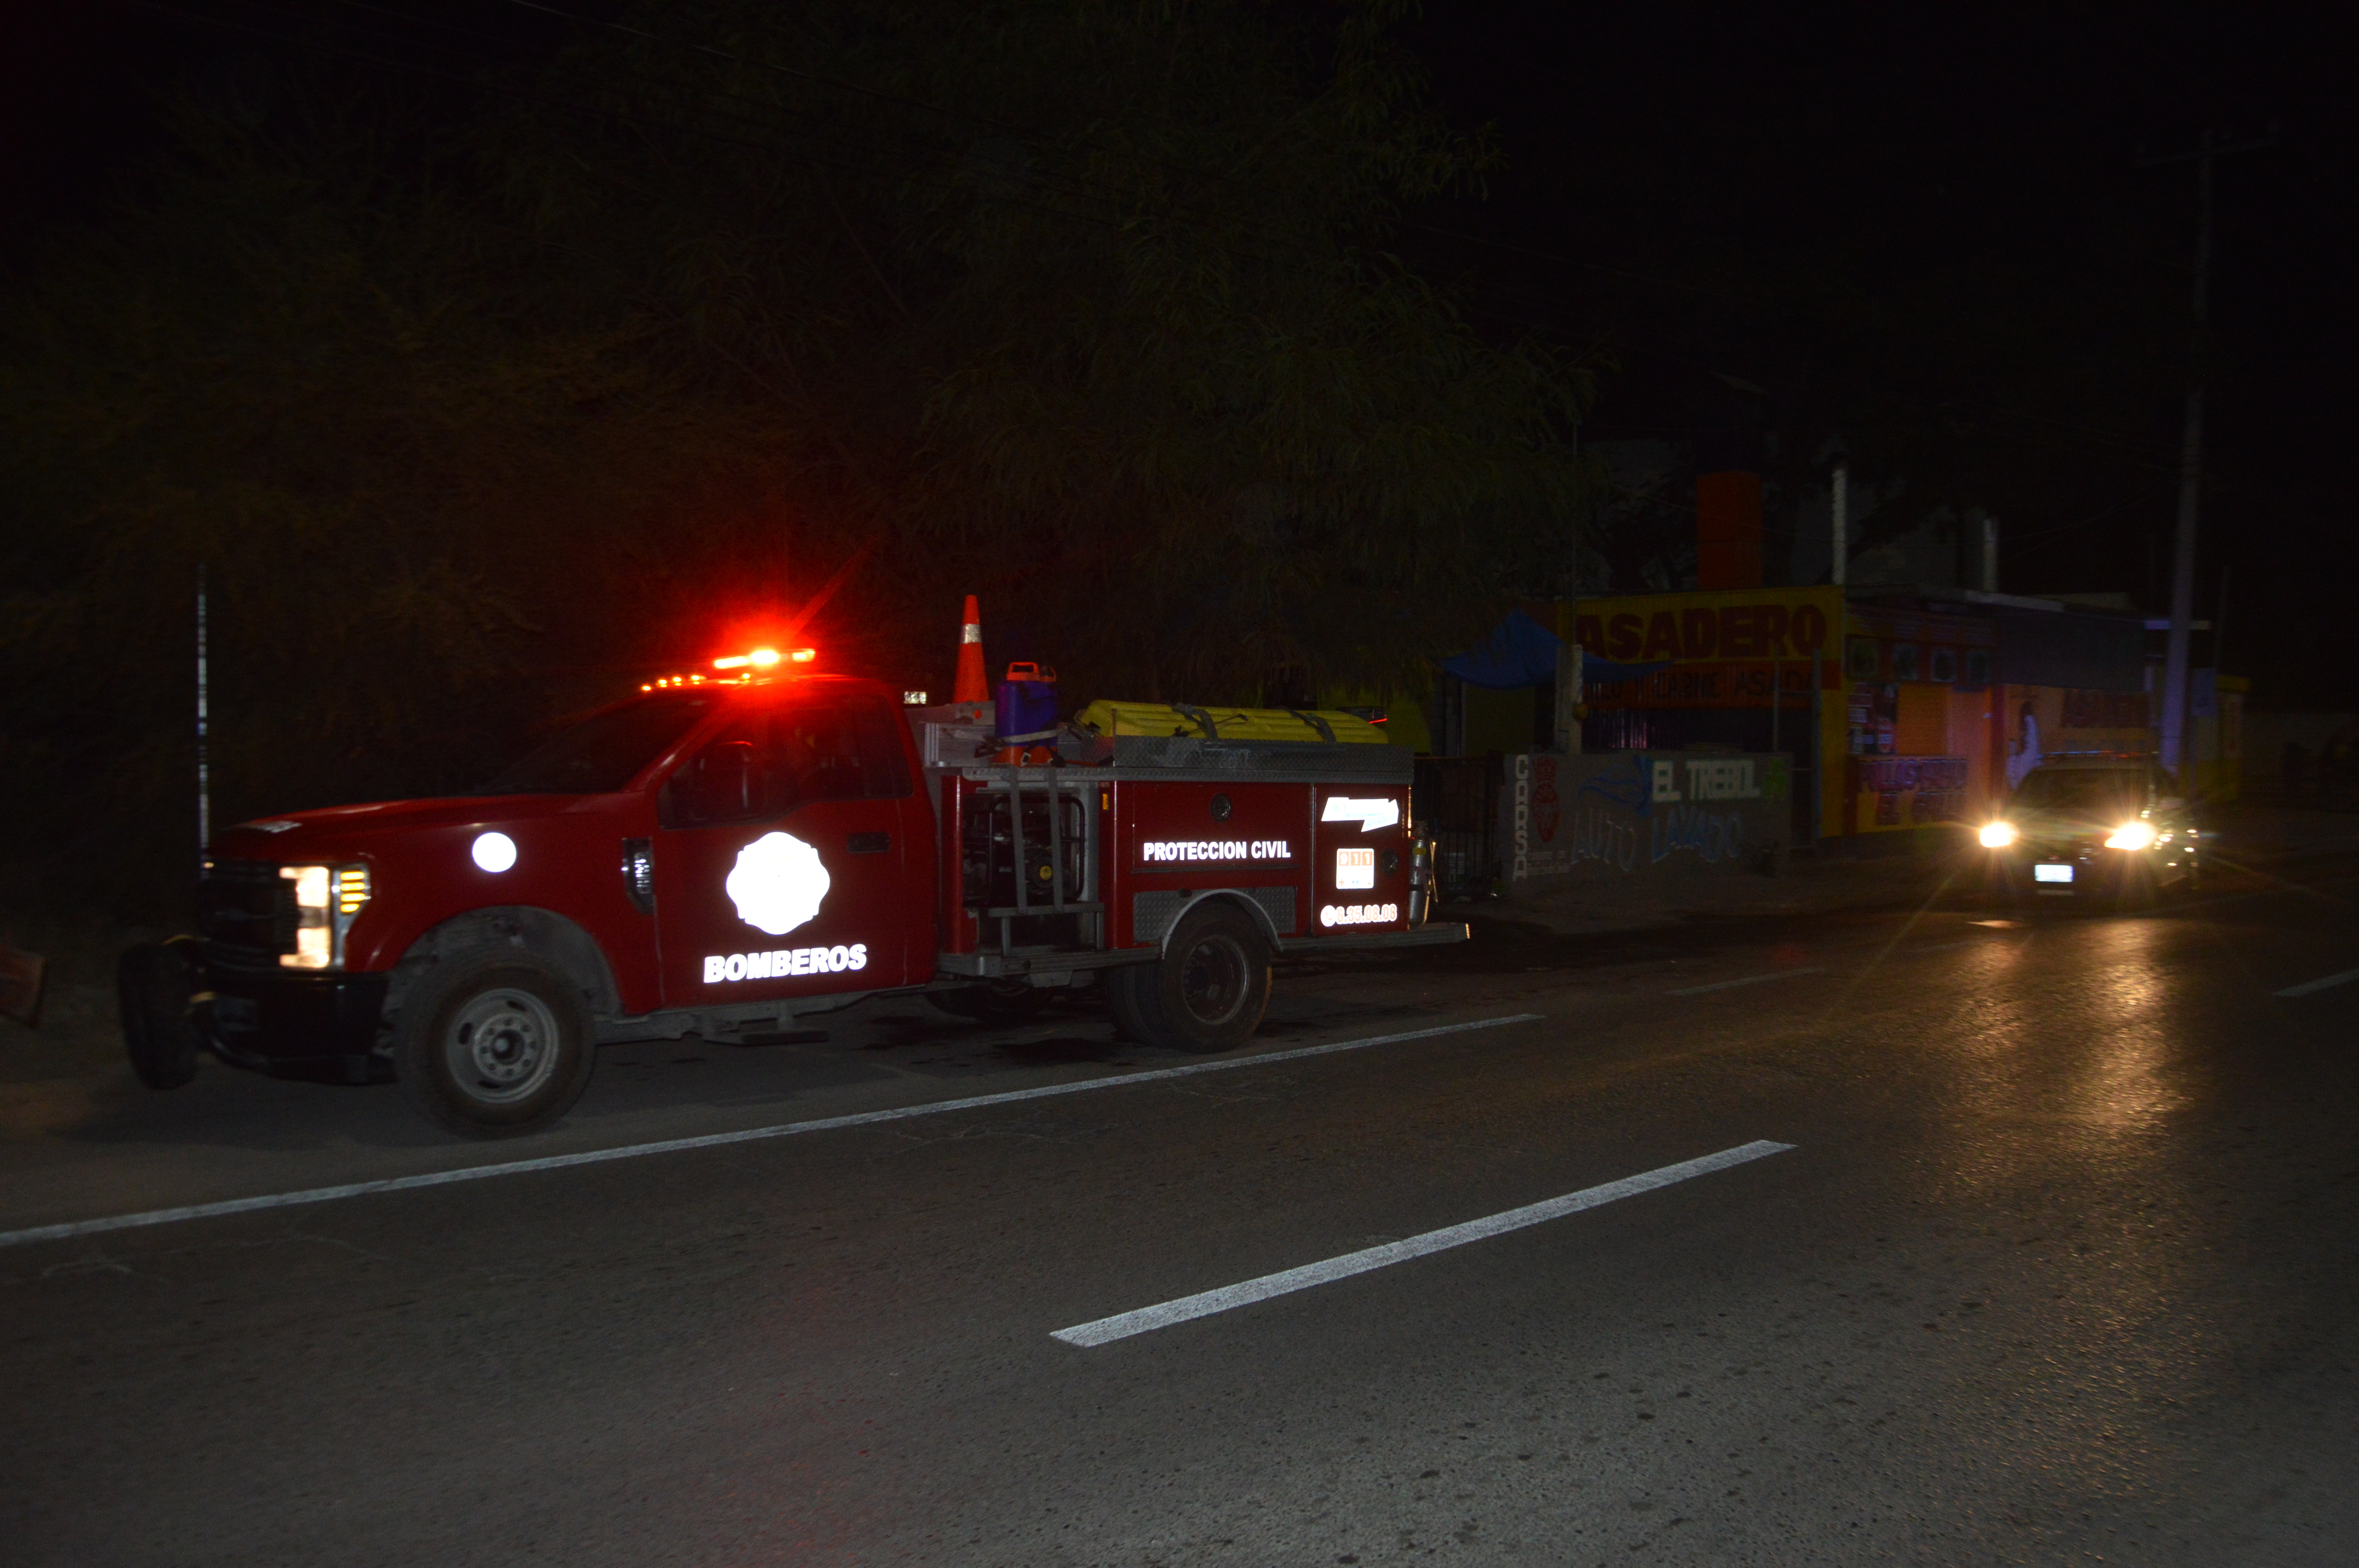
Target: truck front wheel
x=153, y=985
x=1208, y=991
x=493, y=1044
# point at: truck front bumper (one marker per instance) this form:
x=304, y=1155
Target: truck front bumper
x=267, y=1019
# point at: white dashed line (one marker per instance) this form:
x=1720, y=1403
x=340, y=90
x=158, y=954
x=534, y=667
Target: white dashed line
x=718, y=1140
x=2329, y=983
x=1747, y=981
x=1123, y=1324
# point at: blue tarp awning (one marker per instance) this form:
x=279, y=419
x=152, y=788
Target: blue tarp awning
x=1522, y=653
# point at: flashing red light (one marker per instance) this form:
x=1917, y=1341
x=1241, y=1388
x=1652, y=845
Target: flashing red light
x=765, y=658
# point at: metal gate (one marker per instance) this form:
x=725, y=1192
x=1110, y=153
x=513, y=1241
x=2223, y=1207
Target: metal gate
x=1455, y=802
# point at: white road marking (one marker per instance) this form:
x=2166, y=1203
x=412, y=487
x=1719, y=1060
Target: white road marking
x=1747, y=981
x=2344, y=979
x=717, y=1139
x=1122, y=1325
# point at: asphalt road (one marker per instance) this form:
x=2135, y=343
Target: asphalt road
x=2057, y=1263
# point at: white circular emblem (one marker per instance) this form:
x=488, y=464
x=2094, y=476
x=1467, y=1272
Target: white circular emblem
x=777, y=883
x=495, y=852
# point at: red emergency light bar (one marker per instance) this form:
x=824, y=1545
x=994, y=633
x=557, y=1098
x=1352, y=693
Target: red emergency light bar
x=744, y=664
x=765, y=658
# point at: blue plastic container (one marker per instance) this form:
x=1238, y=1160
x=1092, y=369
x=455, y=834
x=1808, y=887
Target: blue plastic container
x=1027, y=705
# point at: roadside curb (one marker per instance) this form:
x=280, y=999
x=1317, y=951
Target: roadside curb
x=1844, y=886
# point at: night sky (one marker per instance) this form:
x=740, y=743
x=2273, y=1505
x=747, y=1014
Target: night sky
x=1936, y=212
x=1701, y=188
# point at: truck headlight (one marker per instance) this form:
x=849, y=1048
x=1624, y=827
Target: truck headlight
x=326, y=900
x=1997, y=835
x=2131, y=836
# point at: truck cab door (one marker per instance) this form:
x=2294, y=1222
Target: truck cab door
x=783, y=860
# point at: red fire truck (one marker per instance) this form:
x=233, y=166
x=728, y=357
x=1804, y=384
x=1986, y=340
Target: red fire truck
x=730, y=855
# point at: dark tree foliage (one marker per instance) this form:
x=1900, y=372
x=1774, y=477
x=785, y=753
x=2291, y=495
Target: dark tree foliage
x=479, y=404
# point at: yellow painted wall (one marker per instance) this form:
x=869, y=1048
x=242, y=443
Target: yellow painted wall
x=1498, y=720
x=1970, y=737
x=1405, y=723
x=1921, y=727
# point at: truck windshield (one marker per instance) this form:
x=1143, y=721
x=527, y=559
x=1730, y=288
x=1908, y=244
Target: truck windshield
x=605, y=750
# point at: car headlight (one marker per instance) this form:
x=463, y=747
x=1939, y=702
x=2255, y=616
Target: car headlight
x=326, y=900
x=1997, y=835
x=2132, y=836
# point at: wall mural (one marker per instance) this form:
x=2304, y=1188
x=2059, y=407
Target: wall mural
x=1628, y=813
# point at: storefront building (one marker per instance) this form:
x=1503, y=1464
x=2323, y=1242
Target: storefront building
x=1878, y=714
x=1900, y=710
x=1748, y=670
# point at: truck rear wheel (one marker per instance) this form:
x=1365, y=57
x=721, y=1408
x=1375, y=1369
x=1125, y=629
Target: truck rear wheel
x=1208, y=991
x=493, y=1044
x=153, y=985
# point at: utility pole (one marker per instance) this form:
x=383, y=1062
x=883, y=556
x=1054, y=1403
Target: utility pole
x=1839, y=523
x=204, y=756
x=2213, y=146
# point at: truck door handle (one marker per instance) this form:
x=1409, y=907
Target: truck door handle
x=639, y=874
x=869, y=843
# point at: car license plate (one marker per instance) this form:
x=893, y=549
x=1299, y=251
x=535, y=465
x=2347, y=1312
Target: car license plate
x=2051, y=873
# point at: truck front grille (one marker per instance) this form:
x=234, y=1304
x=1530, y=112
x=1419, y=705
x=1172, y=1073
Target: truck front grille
x=246, y=912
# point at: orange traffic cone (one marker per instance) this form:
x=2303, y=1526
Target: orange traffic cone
x=973, y=686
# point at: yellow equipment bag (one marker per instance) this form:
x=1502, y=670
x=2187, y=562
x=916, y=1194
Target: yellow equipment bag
x=1326, y=724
